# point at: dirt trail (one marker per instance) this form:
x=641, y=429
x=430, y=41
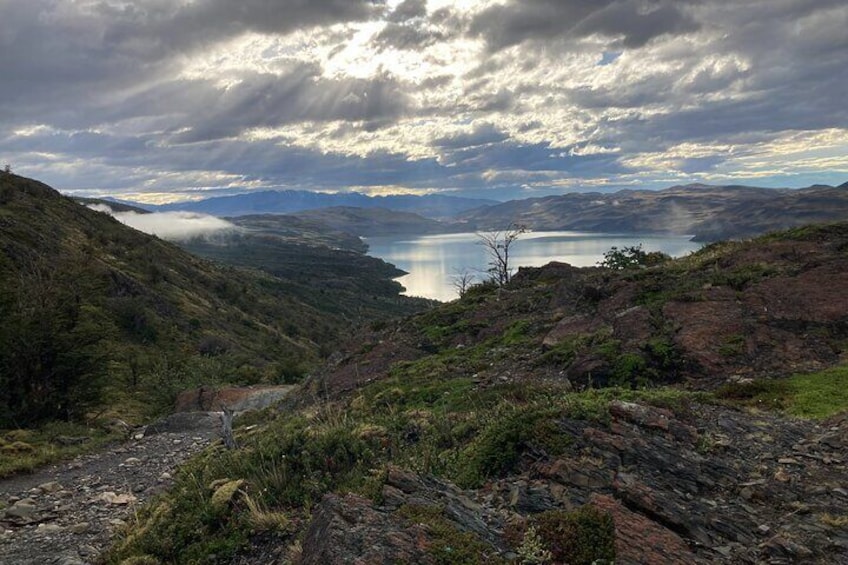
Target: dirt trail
x=66, y=514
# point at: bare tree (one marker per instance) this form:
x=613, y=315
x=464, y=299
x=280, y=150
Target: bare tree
x=498, y=245
x=7, y=168
x=462, y=281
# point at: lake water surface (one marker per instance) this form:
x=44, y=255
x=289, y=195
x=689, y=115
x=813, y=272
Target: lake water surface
x=434, y=261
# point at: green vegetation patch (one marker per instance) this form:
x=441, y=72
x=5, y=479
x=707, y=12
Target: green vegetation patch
x=220, y=497
x=656, y=361
x=811, y=395
x=510, y=431
x=582, y=537
x=24, y=451
x=446, y=427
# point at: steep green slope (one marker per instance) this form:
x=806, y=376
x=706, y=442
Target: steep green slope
x=298, y=230
x=95, y=312
x=322, y=267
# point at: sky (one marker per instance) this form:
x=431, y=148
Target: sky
x=165, y=100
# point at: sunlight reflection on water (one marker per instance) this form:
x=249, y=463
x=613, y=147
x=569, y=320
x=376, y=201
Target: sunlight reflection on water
x=433, y=261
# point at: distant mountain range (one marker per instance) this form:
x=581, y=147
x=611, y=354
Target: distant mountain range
x=291, y=201
x=707, y=212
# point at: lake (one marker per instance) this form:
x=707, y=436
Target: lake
x=434, y=261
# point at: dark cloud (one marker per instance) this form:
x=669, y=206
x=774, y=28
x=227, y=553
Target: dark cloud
x=636, y=21
x=205, y=21
x=267, y=100
x=408, y=10
x=776, y=69
x=57, y=53
x=483, y=134
x=408, y=27
x=407, y=37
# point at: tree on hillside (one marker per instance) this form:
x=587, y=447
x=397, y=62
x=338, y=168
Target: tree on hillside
x=498, y=245
x=52, y=359
x=462, y=281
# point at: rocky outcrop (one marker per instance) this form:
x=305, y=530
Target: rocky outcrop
x=414, y=518
x=349, y=529
x=756, y=309
x=726, y=483
x=702, y=485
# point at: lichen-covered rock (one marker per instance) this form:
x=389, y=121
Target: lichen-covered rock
x=349, y=530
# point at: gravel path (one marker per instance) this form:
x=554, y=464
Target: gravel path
x=66, y=514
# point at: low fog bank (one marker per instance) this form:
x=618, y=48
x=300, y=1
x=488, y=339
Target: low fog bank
x=171, y=225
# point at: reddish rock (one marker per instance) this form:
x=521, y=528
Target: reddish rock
x=570, y=326
x=213, y=399
x=652, y=417
x=816, y=296
x=633, y=327
x=705, y=329
x=639, y=540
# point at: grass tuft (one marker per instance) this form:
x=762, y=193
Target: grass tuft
x=810, y=395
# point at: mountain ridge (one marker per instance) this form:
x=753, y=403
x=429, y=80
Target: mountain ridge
x=709, y=213
x=290, y=201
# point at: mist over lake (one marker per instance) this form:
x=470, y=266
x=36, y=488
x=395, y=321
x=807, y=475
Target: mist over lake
x=434, y=261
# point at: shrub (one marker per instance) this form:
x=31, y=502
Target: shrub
x=510, y=433
x=581, y=537
x=630, y=257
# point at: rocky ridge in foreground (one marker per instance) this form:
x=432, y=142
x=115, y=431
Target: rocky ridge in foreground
x=574, y=416
x=715, y=487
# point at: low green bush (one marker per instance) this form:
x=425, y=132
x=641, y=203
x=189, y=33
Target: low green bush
x=582, y=537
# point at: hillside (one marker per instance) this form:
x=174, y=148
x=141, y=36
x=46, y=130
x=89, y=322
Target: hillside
x=113, y=204
x=373, y=222
x=299, y=230
x=710, y=213
x=95, y=312
x=320, y=266
x=694, y=411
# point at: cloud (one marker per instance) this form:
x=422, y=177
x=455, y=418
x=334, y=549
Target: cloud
x=175, y=226
x=59, y=52
x=633, y=23
x=482, y=134
x=407, y=37
x=159, y=97
x=410, y=27
x=408, y=10
x=302, y=95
